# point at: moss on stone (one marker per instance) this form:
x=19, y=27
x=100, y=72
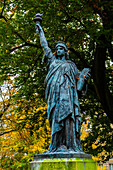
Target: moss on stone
x=65, y=164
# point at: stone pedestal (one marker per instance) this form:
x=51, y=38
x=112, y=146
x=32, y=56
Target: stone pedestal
x=63, y=161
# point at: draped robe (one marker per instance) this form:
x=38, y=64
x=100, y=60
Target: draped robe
x=62, y=98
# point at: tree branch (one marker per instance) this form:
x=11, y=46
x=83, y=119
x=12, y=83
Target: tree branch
x=3, y=133
x=3, y=7
x=69, y=18
x=13, y=2
x=23, y=45
x=18, y=35
x=1, y=16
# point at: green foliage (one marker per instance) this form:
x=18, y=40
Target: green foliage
x=86, y=26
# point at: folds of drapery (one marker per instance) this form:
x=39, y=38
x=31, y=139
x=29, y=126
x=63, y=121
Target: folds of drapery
x=61, y=93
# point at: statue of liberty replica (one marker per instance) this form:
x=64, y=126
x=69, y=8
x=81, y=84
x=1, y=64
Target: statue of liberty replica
x=62, y=82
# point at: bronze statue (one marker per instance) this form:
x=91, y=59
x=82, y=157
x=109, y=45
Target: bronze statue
x=63, y=82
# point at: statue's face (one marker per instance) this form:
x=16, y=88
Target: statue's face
x=60, y=51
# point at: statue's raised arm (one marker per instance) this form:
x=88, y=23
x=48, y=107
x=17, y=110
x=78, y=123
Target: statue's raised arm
x=43, y=41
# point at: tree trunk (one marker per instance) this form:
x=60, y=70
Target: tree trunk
x=101, y=87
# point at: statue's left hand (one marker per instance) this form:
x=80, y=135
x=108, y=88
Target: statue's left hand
x=87, y=76
x=84, y=75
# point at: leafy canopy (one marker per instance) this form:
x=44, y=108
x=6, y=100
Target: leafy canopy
x=86, y=27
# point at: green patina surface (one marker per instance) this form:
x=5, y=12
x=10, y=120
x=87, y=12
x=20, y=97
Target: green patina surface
x=63, y=164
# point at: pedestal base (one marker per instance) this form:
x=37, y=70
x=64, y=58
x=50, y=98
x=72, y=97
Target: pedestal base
x=65, y=161
x=64, y=164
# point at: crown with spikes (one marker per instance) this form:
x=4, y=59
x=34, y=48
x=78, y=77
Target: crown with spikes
x=62, y=44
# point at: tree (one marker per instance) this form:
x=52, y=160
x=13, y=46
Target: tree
x=23, y=133
x=86, y=26
x=97, y=140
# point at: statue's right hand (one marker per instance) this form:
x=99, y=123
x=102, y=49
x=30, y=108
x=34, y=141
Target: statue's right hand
x=38, y=28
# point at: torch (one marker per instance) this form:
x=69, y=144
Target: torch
x=38, y=20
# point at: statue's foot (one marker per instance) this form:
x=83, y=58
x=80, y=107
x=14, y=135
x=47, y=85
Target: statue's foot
x=75, y=149
x=71, y=150
x=46, y=152
x=62, y=148
x=80, y=149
